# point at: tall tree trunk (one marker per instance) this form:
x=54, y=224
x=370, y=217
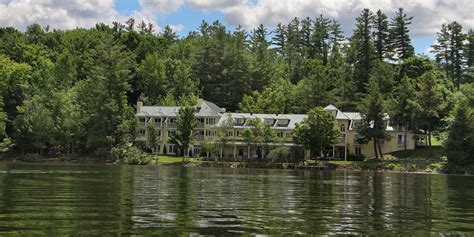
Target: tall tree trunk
x=375, y=148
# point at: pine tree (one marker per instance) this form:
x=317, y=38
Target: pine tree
x=362, y=45
x=381, y=36
x=449, y=51
x=279, y=39
x=373, y=112
x=262, y=70
x=399, y=35
x=320, y=39
x=336, y=38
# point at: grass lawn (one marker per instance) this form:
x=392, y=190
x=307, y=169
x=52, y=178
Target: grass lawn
x=173, y=159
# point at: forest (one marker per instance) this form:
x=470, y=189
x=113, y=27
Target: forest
x=74, y=91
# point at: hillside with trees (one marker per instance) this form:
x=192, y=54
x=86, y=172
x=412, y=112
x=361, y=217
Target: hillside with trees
x=74, y=91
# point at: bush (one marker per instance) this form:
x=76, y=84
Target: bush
x=31, y=157
x=130, y=155
x=279, y=154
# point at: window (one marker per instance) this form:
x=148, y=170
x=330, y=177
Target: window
x=142, y=120
x=401, y=139
x=343, y=127
x=157, y=120
x=241, y=152
x=283, y=122
x=171, y=149
x=358, y=151
x=382, y=141
x=280, y=134
x=239, y=121
x=289, y=134
x=356, y=139
x=210, y=133
x=210, y=121
x=157, y=149
x=238, y=133
x=230, y=133
x=142, y=132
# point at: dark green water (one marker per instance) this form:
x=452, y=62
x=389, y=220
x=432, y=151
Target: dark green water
x=169, y=201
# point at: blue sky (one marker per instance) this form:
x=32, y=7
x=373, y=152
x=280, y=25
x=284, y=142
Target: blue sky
x=186, y=15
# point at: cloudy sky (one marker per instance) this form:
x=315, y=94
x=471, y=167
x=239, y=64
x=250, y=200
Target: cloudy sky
x=186, y=15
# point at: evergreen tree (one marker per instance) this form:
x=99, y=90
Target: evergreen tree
x=336, y=38
x=381, y=36
x=399, y=35
x=279, y=39
x=362, y=43
x=449, y=51
x=373, y=126
x=262, y=71
x=320, y=39
x=183, y=136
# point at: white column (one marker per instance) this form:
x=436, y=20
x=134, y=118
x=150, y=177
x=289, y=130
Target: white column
x=235, y=148
x=333, y=152
x=345, y=151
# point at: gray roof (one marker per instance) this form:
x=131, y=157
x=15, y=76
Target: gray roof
x=294, y=118
x=159, y=111
x=353, y=115
x=207, y=109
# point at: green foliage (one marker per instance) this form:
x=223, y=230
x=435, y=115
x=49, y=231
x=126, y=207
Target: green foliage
x=279, y=155
x=373, y=126
x=399, y=35
x=183, y=136
x=152, y=136
x=130, y=155
x=85, y=81
x=460, y=143
x=317, y=131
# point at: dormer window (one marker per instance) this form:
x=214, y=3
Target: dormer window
x=239, y=121
x=270, y=121
x=283, y=122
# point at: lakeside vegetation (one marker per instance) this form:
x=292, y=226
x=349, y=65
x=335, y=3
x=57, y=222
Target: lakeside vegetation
x=72, y=92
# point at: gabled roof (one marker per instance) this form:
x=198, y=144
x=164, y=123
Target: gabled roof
x=331, y=107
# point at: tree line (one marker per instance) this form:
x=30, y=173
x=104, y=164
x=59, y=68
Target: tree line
x=66, y=91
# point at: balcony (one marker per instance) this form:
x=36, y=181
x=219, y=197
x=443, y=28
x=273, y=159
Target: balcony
x=199, y=137
x=200, y=126
x=171, y=125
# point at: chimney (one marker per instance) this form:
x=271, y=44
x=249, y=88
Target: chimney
x=139, y=106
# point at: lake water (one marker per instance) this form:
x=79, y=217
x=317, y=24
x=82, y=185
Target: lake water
x=127, y=200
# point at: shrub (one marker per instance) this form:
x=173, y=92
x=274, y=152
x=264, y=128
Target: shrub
x=130, y=155
x=31, y=157
x=279, y=154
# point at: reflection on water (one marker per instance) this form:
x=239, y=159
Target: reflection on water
x=81, y=200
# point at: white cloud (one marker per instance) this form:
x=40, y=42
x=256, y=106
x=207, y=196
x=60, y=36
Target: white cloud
x=177, y=27
x=63, y=14
x=428, y=14
x=152, y=7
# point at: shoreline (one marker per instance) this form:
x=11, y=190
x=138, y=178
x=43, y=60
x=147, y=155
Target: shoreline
x=357, y=166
